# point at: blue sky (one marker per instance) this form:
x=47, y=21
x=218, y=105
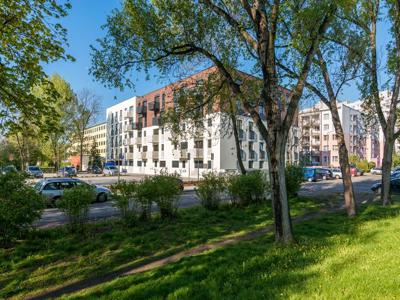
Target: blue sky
x=83, y=24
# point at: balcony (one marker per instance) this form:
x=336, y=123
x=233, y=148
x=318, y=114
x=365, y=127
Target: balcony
x=155, y=155
x=198, y=153
x=252, y=135
x=154, y=106
x=262, y=155
x=184, y=155
x=141, y=109
x=128, y=114
x=155, y=138
x=139, y=140
x=144, y=155
x=127, y=142
x=242, y=135
x=156, y=121
x=253, y=155
x=129, y=155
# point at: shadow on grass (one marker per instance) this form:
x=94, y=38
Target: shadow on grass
x=256, y=269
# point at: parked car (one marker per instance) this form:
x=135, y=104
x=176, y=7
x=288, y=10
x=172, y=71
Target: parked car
x=336, y=173
x=325, y=173
x=110, y=170
x=67, y=172
x=394, y=186
x=8, y=169
x=53, y=188
x=353, y=171
x=395, y=175
x=311, y=174
x=96, y=170
x=376, y=171
x=34, y=171
x=360, y=172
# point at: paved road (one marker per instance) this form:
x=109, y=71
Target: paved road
x=53, y=217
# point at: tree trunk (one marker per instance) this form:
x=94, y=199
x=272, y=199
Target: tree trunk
x=349, y=199
x=386, y=168
x=280, y=205
x=237, y=144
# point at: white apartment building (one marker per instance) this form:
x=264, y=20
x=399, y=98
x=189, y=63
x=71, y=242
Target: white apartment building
x=318, y=142
x=149, y=149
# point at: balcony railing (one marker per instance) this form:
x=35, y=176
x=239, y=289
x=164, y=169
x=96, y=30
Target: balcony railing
x=155, y=155
x=154, y=106
x=156, y=121
x=141, y=109
x=242, y=135
x=129, y=114
x=252, y=135
x=129, y=155
x=155, y=138
x=184, y=155
x=198, y=153
x=144, y=155
x=139, y=140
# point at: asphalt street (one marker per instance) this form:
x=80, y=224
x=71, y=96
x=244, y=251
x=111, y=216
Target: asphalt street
x=53, y=217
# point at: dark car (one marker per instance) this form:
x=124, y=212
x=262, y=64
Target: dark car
x=66, y=172
x=325, y=173
x=34, y=171
x=8, y=169
x=311, y=174
x=96, y=170
x=394, y=186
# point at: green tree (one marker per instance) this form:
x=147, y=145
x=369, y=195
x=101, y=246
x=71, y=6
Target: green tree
x=170, y=34
x=95, y=158
x=30, y=37
x=85, y=109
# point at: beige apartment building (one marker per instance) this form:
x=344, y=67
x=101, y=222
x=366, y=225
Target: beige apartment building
x=317, y=136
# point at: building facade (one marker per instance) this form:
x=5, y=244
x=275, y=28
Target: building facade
x=93, y=134
x=318, y=142
x=138, y=142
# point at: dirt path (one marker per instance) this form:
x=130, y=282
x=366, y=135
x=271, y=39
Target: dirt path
x=156, y=262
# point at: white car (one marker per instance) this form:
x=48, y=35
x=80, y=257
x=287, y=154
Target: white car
x=336, y=173
x=376, y=171
x=110, y=170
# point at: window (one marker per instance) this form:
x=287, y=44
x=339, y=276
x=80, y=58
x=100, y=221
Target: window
x=209, y=143
x=326, y=127
x=334, y=136
x=326, y=116
x=250, y=164
x=326, y=148
x=183, y=164
x=209, y=164
x=163, y=101
x=326, y=137
x=326, y=159
x=162, y=164
x=184, y=145
x=198, y=144
x=162, y=147
x=144, y=148
x=139, y=163
x=66, y=185
x=52, y=186
x=261, y=164
x=209, y=122
x=155, y=163
x=198, y=164
x=175, y=163
x=335, y=147
x=335, y=158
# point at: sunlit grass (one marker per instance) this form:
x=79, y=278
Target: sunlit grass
x=51, y=258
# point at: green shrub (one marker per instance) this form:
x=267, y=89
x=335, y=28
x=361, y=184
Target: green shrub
x=247, y=189
x=75, y=204
x=294, y=178
x=124, y=194
x=20, y=206
x=210, y=190
x=145, y=194
x=167, y=190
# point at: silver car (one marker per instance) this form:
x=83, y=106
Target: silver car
x=336, y=173
x=53, y=188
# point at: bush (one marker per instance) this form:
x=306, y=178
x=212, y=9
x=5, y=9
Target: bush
x=210, y=190
x=145, y=194
x=75, y=204
x=124, y=194
x=247, y=189
x=294, y=178
x=167, y=189
x=20, y=206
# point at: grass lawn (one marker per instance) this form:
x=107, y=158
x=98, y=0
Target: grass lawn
x=51, y=258
x=336, y=258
